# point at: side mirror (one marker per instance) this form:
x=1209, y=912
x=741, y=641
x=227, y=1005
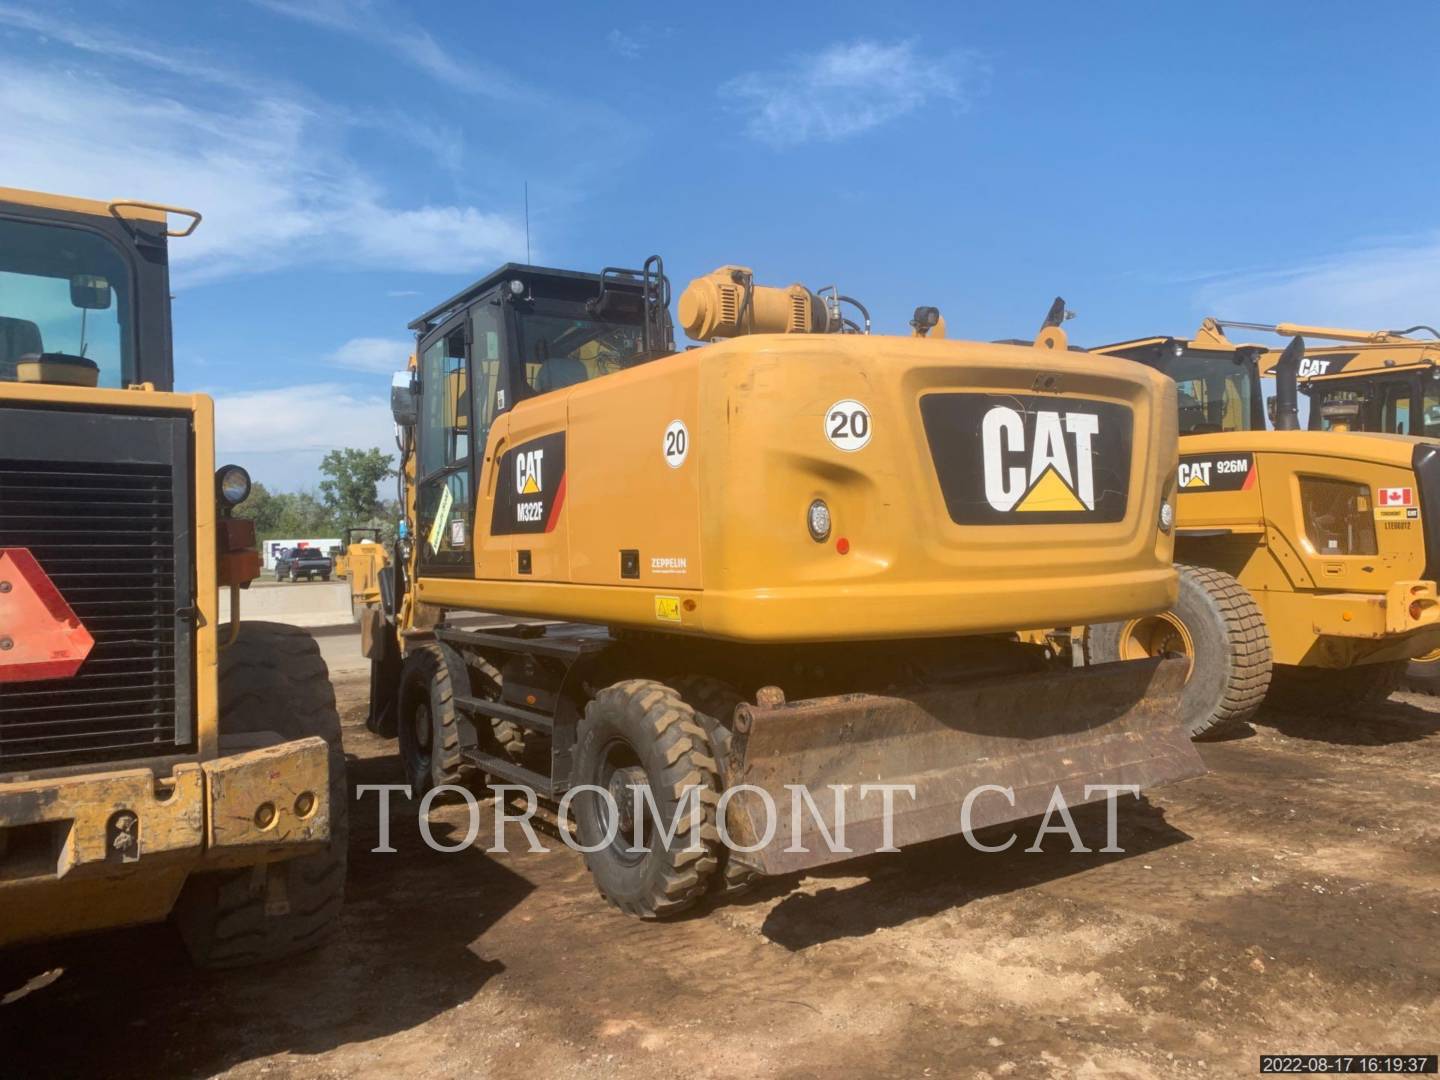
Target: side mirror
x=90, y=291
x=405, y=398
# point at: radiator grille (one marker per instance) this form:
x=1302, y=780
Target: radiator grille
x=106, y=534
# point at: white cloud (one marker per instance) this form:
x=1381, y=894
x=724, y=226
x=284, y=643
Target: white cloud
x=847, y=89
x=623, y=44
x=281, y=435
x=265, y=166
x=1391, y=284
x=390, y=28
x=381, y=356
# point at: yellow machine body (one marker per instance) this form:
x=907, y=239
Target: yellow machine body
x=1342, y=578
x=720, y=541
x=91, y=839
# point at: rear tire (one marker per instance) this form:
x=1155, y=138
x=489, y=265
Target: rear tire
x=641, y=732
x=714, y=702
x=272, y=679
x=1216, y=623
x=1330, y=691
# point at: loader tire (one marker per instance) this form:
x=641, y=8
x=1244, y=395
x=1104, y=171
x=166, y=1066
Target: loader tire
x=714, y=702
x=272, y=679
x=636, y=733
x=1216, y=624
x=1422, y=674
x=1329, y=691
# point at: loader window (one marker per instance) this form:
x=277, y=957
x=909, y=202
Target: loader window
x=1214, y=394
x=560, y=352
x=64, y=290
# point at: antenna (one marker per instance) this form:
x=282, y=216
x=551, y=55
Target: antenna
x=527, y=221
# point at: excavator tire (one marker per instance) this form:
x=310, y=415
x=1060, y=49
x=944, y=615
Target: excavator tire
x=639, y=732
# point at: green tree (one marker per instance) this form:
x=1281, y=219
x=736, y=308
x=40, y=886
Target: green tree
x=285, y=514
x=349, y=488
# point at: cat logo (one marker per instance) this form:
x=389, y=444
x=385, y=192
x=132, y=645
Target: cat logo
x=528, y=477
x=1195, y=474
x=1059, y=475
x=1309, y=367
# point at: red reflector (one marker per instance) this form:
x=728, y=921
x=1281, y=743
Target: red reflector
x=40, y=636
x=842, y=546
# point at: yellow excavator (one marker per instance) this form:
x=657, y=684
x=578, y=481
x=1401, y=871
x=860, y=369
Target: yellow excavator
x=1309, y=559
x=792, y=554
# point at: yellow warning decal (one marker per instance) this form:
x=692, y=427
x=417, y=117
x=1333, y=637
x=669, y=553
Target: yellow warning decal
x=1050, y=493
x=667, y=608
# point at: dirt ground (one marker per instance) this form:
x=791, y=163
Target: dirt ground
x=1288, y=901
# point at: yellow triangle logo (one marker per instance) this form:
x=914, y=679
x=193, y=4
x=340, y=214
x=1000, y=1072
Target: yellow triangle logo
x=1049, y=493
x=1196, y=480
x=531, y=487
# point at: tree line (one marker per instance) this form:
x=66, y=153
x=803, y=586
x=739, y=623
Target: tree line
x=347, y=497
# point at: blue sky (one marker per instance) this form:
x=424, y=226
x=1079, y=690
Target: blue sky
x=357, y=162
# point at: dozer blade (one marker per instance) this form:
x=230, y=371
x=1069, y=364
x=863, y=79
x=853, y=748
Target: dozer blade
x=1108, y=724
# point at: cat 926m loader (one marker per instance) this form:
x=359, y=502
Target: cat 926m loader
x=792, y=555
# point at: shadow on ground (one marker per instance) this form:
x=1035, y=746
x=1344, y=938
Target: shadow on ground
x=409, y=947
x=930, y=878
x=1384, y=724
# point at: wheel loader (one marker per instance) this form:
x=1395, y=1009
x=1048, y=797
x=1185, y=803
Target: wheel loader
x=154, y=764
x=789, y=555
x=1308, y=560
x=1377, y=380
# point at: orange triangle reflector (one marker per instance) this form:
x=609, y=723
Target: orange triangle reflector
x=40, y=636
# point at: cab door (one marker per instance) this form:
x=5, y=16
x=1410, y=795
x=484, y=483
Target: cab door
x=444, y=486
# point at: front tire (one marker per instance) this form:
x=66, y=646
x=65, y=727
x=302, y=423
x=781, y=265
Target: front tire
x=639, y=733
x=272, y=679
x=1216, y=624
x=428, y=723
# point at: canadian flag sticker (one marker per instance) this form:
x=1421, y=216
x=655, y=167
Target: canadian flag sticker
x=1401, y=496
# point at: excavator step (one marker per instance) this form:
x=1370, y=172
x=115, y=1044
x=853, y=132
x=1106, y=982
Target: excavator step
x=565, y=641
x=514, y=773
x=498, y=710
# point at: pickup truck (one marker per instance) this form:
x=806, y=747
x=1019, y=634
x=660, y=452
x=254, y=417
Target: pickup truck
x=309, y=563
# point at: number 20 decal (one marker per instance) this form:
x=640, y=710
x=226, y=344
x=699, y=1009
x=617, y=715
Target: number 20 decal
x=677, y=444
x=847, y=425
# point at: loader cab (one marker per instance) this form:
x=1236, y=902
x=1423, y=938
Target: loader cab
x=1218, y=389
x=522, y=334
x=83, y=292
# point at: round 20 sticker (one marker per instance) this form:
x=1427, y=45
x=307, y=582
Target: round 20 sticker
x=847, y=425
x=677, y=443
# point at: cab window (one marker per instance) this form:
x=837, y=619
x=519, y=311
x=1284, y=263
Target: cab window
x=559, y=351
x=68, y=291
x=445, y=434
x=485, y=323
x=1213, y=396
x=1395, y=408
